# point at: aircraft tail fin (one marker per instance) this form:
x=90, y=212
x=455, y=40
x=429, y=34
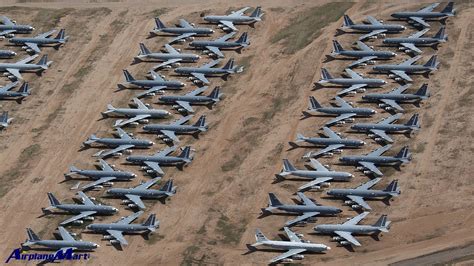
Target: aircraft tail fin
x=441, y=34
x=449, y=9
x=348, y=21
x=215, y=94
x=244, y=39
x=24, y=89
x=201, y=123
x=61, y=35
x=404, y=155
x=382, y=222
x=337, y=47
x=273, y=201
x=186, y=153
x=4, y=117
x=229, y=65
x=144, y=50
x=43, y=62
x=168, y=187
x=32, y=237
x=313, y=103
x=151, y=222
x=52, y=199
x=325, y=75
x=393, y=188
x=287, y=166
x=432, y=63
x=257, y=13
x=423, y=91
x=159, y=24
x=259, y=236
x=128, y=76
x=414, y=122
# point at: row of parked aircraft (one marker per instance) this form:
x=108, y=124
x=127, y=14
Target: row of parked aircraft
x=318, y=174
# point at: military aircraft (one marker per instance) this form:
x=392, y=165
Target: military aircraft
x=345, y=230
x=124, y=143
x=333, y=143
x=399, y=71
x=357, y=195
x=320, y=176
x=226, y=22
x=102, y=177
x=182, y=103
x=31, y=44
x=367, y=162
x=167, y=132
x=9, y=27
x=84, y=210
x=137, y=115
x=295, y=246
x=67, y=241
x=153, y=162
x=7, y=54
x=212, y=47
x=379, y=130
x=5, y=92
x=152, y=86
x=199, y=73
x=408, y=44
x=418, y=17
x=14, y=69
x=135, y=194
x=375, y=28
x=116, y=230
x=365, y=54
x=5, y=120
x=391, y=99
x=345, y=112
x=185, y=30
x=356, y=82
x=172, y=58
x=307, y=210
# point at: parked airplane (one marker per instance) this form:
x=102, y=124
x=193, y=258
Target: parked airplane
x=153, y=162
x=167, y=132
x=345, y=112
x=391, y=99
x=9, y=27
x=345, y=230
x=212, y=47
x=356, y=81
x=295, y=246
x=135, y=194
x=418, y=17
x=7, y=53
x=357, y=195
x=14, y=69
x=152, y=86
x=182, y=103
x=399, y=71
x=226, y=22
x=102, y=177
x=5, y=120
x=369, y=161
x=199, y=73
x=137, y=115
x=320, y=176
x=365, y=54
x=408, y=44
x=172, y=58
x=6, y=93
x=307, y=210
x=375, y=28
x=116, y=230
x=67, y=241
x=31, y=44
x=185, y=30
x=379, y=130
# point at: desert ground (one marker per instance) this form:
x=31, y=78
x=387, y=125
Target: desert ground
x=214, y=213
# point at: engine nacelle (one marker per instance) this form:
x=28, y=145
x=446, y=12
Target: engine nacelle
x=191, y=78
x=127, y=151
x=300, y=235
x=117, y=154
x=328, y=154
x=98, y=187
x=77, y=222
x=340, y=123
x=325, y=184
x=167, y=67
x=363, y=64
x=131, y=205
x=388, y=108
x=360, y=168
x=108, y=184
x=373, y=37
x=401, y=48
x=367, y=172
x=382, y=105
x=150, y=171
x=88, y=218
x=134, y=124
x=181, y=110
x=6, y=74
x=317, y=188
x=352, y=93
x=144, y=121
x=391, y=75
x=337, y=151
x=371, y=47
x=220, y=26
x=297, y=257
x=301, y=223
x=167, y=140
x=371, y=135
x=378, y=139
x=92, y=198
x=24, y=47
x=190, y=39
x=344, y=243
x=176, y=64
x=382, y=35
x=337, y=238
x=73, y=234
x=113, y=241
x=349, y=120
x=398, y=79
x=11, y=77
x=108, y=237
x=356, y=207
x=125, y=201
x=225, y=29
x=197, y=81
x=348, y=202
x=29, y=50
x=327, y=165
x=182, y=40
x=286, y=260
x=371, y=62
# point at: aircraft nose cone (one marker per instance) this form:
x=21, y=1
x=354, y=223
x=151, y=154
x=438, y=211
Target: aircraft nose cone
x=183, y=84
x=14, y=53
x=96, y=245
x=152, y=143
x=211, y=30
x=374, y=112
x=115, y=209
x=328, y=248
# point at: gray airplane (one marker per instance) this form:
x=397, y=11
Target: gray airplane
x=320, y=176
x=408, y=44
x=369, y=161
x=5, y=120
x=356, y=82
x=345, y=230
x=152, y=162
x=9, y=27
x=19, y=96
x=378, y=130
x=295, y=246
x=31, y=44
x=23, y=65
x=66, y=243
x=172, y=58
x=226, y=22
x=167, y=132
x=135, y=194
x=345, y=112
x=357, y=195
x=333, y=143
x=391, y=99
x=365, y=54
x=116, y=230
x=212, y=47
x=399, y=71
x=124, y=143
x=199, y=73
x=307, y=210
x=184, y=31
x=102, y=177
x=141, y=114
x=182, y=103
x=418, y=17
x=7, y=54
x=152, y=86
x=83, y=211
x=375, y=28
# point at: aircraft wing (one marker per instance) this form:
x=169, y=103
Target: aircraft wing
x=196, y=91
x=44, y=35
x=352, y=74
x=149, y=183
x=182, y=36
x=348, y=236
x=369, y=184
x=139, y=104
x=228, y=24
x=357, y=219
x=78, y=217
x=339, y=118
x=342, y=103
x=65, y=235
x=363, y=46
x=122, y=134
x=130, y=218
x=5, y=32
x=225, y=37
x=390, y=119
x=373, y=20
x=186, y=106
x=33, y=46
x=215, y=51
x=97, y=182
x=210, y=64
x=420, y=21
x=27, y=60
x=169, y=62
x=166, y=151
x=401, y=74
x=6, y=21
x=201, y=77
x=330, y=133
x=287, y=254
x=370, y=34
x=155, y=167
x=170, y=49
x=170, y=134
x=105, y=166
x=412, y=47
x=15, y=72
x=136, y=200
x=85, y=199
x=238, y=12
x=300, y=218
x=327, y=149
x=315, y=164
x=362, y=60
x=411, y=61
x=371, y=167
x=360, y=201
x=429, y=8
x=392, y=104
x=380, y=150
x=8, y=87
x=118, y=236
x=351, y=88
x=292, y=236
x=306, y=201
x=151, y=90
x=313, y=183
x=184, y=24
x=381, y=134
x=400, y=89
x=182, y=120
x=120, y=148
x=120, y=123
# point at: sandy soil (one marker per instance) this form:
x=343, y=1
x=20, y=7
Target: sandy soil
x=214, y=214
